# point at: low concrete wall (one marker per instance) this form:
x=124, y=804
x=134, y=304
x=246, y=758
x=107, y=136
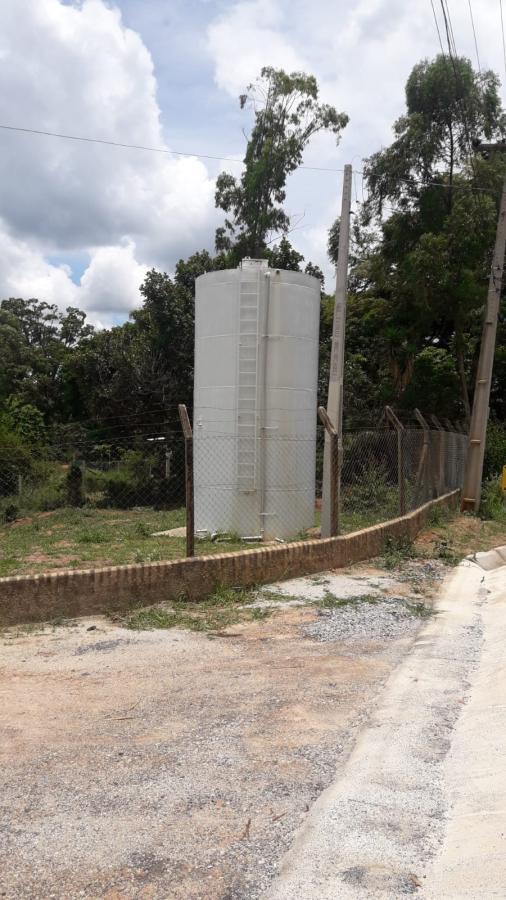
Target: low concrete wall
x=81, y=592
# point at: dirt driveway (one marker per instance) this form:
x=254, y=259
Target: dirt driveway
x=167, y=764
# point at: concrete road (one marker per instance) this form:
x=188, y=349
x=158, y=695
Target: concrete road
x=420, y=806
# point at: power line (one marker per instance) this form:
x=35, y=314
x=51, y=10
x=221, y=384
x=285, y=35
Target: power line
x=475, y=38
x=503, y=41
x=448, y=19
x=452, y=53
x=163, y=150
x=88, y=140
x=437, y=27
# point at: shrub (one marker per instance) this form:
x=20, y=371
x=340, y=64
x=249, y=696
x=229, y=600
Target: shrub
x=493, y=501
x=74, y=485
x=15, y=460
x=123, y=492
x=8, y=512
x=495, y=453
x=44, y=488
x=371, y=491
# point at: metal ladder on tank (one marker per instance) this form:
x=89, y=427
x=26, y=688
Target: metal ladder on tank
x=249, y=297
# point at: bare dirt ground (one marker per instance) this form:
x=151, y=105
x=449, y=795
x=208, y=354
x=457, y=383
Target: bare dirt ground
x=168, y=764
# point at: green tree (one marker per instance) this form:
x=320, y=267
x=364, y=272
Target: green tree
x=187, y=270
x=284, y=256
x=35, y=342
x=26, y=421
x=287, y=115
x=430, y=259
x=448, y=106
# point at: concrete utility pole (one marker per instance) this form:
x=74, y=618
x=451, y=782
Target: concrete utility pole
x=335, y=395
x=478, y=429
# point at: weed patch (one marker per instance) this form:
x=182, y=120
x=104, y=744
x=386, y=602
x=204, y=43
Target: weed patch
x=398, y=551
x=438, y=516
x=493, y=502
x=420, y=610
x=225, y=607
x=330, y=601
x=444, y=550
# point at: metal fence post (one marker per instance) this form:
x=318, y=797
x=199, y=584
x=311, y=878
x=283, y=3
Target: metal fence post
x=401, y=481
x=335, y=470
x=188, y=463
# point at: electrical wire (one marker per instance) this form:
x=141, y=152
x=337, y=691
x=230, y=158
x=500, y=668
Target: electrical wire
x=450, y=26
x=452, y=53
x=503, y=41
x=437, y=27
x=474, y=34
x=89, y=140
x=163, y=150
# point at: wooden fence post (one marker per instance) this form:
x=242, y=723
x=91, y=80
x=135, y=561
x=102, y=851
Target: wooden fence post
x=335, y=470
x=399, y=427
x=188, y=465
x=442, y=454
x=423, y=471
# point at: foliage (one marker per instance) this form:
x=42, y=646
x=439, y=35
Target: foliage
x=74, y=485
x=448, y=105
x=287, y=115
x=495, y=453
x=26, y=421
x=397, y=551
x=434, y=383
x=423, y=270
x=493, y=501
x=15, y=461
x=35, y=342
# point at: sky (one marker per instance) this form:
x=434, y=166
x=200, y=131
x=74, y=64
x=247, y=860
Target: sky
x=81, y=223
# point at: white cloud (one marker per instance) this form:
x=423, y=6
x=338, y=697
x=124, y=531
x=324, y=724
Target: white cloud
x=76, y=69
x=25, y=273
x=112, y=280
x=247, y=37
x=108, y=289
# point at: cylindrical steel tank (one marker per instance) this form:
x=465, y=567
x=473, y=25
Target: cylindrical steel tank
x=256, y=371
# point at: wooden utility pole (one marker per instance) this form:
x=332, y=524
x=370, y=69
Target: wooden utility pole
x=471, y=494
x=335, y=395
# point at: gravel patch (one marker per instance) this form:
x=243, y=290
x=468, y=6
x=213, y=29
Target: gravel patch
x=361, y=621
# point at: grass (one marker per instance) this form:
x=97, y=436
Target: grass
x=222, y=609
x=451, y=536
x=69, y=538
x=330, y=601
x=87, y=537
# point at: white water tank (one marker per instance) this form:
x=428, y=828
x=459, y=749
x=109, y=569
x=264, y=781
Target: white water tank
x=255, y=396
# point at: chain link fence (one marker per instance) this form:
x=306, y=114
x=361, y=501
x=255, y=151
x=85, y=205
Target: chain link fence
x=125, y=502
x=385, y=474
